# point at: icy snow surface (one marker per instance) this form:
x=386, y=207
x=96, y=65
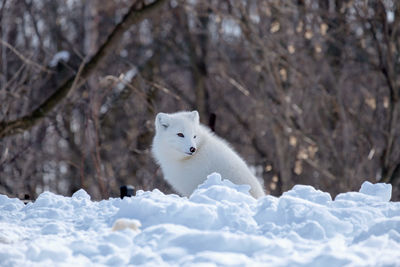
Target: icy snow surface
x=219, y=225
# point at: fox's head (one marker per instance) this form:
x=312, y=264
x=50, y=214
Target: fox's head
x=178, y=132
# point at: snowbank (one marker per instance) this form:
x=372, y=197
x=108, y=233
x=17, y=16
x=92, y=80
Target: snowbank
x=219, y=225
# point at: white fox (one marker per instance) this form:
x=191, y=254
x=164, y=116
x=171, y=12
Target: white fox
x=188, y=152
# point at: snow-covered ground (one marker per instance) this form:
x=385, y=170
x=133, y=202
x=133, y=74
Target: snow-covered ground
x=219, y=225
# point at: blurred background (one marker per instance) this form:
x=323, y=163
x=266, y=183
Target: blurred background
x=306, y=91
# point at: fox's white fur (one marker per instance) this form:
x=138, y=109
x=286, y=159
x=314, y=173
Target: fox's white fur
x=188, y=152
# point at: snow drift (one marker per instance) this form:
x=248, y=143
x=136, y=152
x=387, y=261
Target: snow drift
x=219, y=225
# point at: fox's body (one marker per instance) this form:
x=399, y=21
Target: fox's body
x=188, y=152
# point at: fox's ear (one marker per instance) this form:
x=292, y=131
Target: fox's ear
x=162, y=121
x=195, y=116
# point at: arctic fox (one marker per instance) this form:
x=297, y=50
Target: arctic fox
x=188, y=152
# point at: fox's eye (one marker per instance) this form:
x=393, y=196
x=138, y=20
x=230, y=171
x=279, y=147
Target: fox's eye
x=180, y=134
x=194, y=136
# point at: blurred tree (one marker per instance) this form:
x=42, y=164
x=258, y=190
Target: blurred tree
x=307, y=91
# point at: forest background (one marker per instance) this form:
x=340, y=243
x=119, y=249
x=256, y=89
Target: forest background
x=306, y=91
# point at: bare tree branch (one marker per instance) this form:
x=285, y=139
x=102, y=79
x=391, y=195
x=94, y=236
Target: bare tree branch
x=136, y=14
x=23, y=58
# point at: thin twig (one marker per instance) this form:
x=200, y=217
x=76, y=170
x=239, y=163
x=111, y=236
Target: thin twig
x=16, y=74
x=164, y=89
x=78, y=75
x=23, y=58
x=126, y=83
x=320, y=169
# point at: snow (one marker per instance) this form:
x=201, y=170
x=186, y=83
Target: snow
x=59, y=56
x=219, y=225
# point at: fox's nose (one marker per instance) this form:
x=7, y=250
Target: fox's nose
x=192, y=149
